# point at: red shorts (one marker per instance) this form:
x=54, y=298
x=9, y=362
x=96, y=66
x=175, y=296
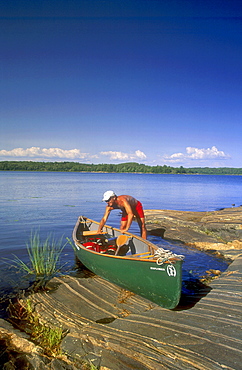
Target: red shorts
x=138, y=212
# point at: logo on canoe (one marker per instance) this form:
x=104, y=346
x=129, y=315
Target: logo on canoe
x=171, y=271
x=157, y=268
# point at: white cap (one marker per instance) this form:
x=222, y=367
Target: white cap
x=107, y=195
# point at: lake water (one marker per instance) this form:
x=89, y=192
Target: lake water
x=52, y=201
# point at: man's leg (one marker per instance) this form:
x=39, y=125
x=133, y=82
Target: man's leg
x=143, y=231
x=123, y=224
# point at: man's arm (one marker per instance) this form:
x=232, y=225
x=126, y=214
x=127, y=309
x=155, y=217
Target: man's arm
x=104, y=219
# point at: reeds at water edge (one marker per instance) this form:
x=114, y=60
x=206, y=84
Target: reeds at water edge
x=44, y=258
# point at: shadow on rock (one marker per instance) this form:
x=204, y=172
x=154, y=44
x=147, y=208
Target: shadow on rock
x=192, y=292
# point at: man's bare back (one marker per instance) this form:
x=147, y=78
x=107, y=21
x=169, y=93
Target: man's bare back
x=129, y=206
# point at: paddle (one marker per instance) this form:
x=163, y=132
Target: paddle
x=121, y=240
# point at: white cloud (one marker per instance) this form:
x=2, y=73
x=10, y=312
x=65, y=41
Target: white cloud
x=36, y=152
x=176, y=156
x=115, y=155
x=209, y=153
x=140, y=154
x=124, y=156
x=197, y=154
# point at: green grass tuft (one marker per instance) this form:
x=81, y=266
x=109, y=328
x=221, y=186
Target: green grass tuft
x=44, y=258
x=22, y=314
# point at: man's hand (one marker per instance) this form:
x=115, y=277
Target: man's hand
x=124, y=231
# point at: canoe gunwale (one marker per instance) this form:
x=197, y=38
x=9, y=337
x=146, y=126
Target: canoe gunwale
x=81, y=219
x=134, y=257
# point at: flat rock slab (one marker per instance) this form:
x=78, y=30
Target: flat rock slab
x=116, y=329
x=218, y=230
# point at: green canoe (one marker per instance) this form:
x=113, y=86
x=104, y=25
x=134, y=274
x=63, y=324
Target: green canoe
x=129, y=261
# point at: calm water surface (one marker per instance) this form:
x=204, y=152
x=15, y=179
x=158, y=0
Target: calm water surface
x=52, y=201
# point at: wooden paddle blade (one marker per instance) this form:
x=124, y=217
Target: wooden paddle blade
x=92, y=232
x=121, y=240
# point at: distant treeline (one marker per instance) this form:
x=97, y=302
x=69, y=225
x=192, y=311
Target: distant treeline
x=131, y=167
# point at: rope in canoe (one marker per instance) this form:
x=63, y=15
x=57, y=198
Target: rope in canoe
x=164, y=255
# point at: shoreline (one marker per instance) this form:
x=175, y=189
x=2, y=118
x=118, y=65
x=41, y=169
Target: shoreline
x=219, y=231
x=133, y=173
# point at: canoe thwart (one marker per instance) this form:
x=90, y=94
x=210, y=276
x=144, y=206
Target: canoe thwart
x=142, y=255
x=92, y=232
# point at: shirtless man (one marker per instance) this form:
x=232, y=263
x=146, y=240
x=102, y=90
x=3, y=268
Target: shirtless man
x=129, y=206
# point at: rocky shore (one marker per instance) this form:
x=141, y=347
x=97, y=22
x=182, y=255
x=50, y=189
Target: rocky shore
x=109, y=328
x=219, y=231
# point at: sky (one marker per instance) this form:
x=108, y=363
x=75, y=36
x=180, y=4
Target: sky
x=157, y=82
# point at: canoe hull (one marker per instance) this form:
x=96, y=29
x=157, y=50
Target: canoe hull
x=160, y=284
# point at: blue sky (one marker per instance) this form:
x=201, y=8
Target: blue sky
x=155, y=82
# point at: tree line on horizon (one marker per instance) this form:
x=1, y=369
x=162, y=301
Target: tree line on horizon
x=129, y=167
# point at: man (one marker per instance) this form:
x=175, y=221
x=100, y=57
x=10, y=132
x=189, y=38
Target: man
x=129, y=206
